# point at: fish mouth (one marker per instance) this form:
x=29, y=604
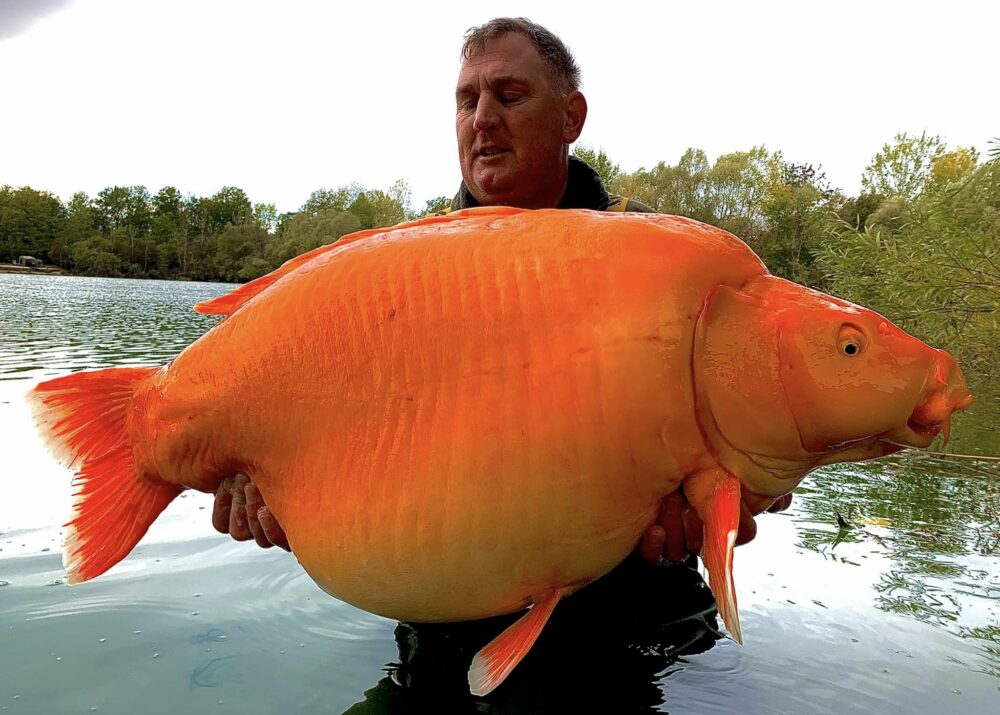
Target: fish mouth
x=929, y=430
x=916, y=435
x=932, y=415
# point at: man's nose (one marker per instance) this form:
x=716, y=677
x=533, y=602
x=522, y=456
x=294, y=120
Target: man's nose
x=487, y=113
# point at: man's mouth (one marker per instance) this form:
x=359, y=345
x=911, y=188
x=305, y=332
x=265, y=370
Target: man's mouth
x=491, y=151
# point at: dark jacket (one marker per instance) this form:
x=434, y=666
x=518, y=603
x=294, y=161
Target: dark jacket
x=584, y=190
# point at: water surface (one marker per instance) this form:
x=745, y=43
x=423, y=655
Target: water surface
x=898, y=612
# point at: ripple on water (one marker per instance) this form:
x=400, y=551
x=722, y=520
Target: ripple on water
x=67, y=323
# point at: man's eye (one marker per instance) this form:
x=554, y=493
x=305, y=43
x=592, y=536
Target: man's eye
x=466, y=105
x=509, y=97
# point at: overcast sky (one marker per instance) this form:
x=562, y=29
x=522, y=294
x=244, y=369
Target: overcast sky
x=281, y=98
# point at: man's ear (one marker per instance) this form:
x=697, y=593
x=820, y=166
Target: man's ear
x=576, y=115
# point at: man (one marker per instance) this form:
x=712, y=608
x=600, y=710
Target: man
x=518, y=110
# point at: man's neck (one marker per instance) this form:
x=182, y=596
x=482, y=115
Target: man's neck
x=582, y=189
x=554, y=192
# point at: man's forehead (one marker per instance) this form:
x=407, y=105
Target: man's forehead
x=468, y=84
x=511, y=56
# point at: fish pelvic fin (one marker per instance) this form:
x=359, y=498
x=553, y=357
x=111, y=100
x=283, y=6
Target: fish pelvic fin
x=715, y=495
x=83, y=418
x=494, y=662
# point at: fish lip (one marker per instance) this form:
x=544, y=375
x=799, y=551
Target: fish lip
x=930, y=429
x=912, y=435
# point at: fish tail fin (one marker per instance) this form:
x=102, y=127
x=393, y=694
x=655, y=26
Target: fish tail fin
x=715, y=495
x=83, y=418
x=494, y=662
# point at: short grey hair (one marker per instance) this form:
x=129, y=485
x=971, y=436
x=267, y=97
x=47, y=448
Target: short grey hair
x=564, y=73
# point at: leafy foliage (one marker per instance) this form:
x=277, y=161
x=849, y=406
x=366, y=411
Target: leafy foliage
x=29, y=220
x=931, y=263
x=599, y=162
x=903, y=167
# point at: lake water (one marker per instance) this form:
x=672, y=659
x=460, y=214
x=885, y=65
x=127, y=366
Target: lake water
x=898, y=613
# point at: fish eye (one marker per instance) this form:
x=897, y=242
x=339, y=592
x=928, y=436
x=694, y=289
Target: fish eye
x=851, y=340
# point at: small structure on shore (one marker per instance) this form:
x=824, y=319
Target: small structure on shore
x=29, y=262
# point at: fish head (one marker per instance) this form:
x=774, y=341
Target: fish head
x=789, y=379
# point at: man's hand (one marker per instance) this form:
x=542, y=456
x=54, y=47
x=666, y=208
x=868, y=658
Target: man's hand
x=240, y=512
x=678, y=529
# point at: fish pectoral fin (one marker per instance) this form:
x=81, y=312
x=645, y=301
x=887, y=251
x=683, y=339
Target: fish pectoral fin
x=715, y=495
x=494, y=662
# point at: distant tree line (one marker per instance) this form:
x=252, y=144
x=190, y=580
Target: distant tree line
x=920, y=243
x=127, y=231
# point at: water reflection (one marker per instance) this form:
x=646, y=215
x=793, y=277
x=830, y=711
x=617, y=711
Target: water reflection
x=937, y=523
x=604, y=650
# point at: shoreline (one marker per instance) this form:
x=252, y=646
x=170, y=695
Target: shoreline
x=11, y=268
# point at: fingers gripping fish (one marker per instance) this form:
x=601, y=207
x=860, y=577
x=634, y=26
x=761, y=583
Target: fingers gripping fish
x=471, y=415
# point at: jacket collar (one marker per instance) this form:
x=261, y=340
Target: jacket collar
x=584, y=190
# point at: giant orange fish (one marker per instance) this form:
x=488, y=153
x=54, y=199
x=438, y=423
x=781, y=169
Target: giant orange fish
x=465, y=416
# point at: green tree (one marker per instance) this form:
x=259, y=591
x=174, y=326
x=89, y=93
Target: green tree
x=599, y=162
x=336, y=199
x=738, y=186
x=306, y=231
x=682, y=190
x=438, y=203
x=169, y=231
x=199, y=251
x=377, y=209
x=240, y=252
x=94, y=257
x=373, y=208
x=80, y=225
x=903, y=167
x=399, y=209
x=29, y=222
x=207, y=256
x=266, y=216
x=854, y=211
x=953, y=166
x=124, y=214
x=229, y=205
x=796, y=216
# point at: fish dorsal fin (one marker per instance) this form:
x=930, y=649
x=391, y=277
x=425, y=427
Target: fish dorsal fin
x=228, y=304
x=493, y=663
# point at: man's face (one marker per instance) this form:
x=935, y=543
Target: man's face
x=513, y=130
